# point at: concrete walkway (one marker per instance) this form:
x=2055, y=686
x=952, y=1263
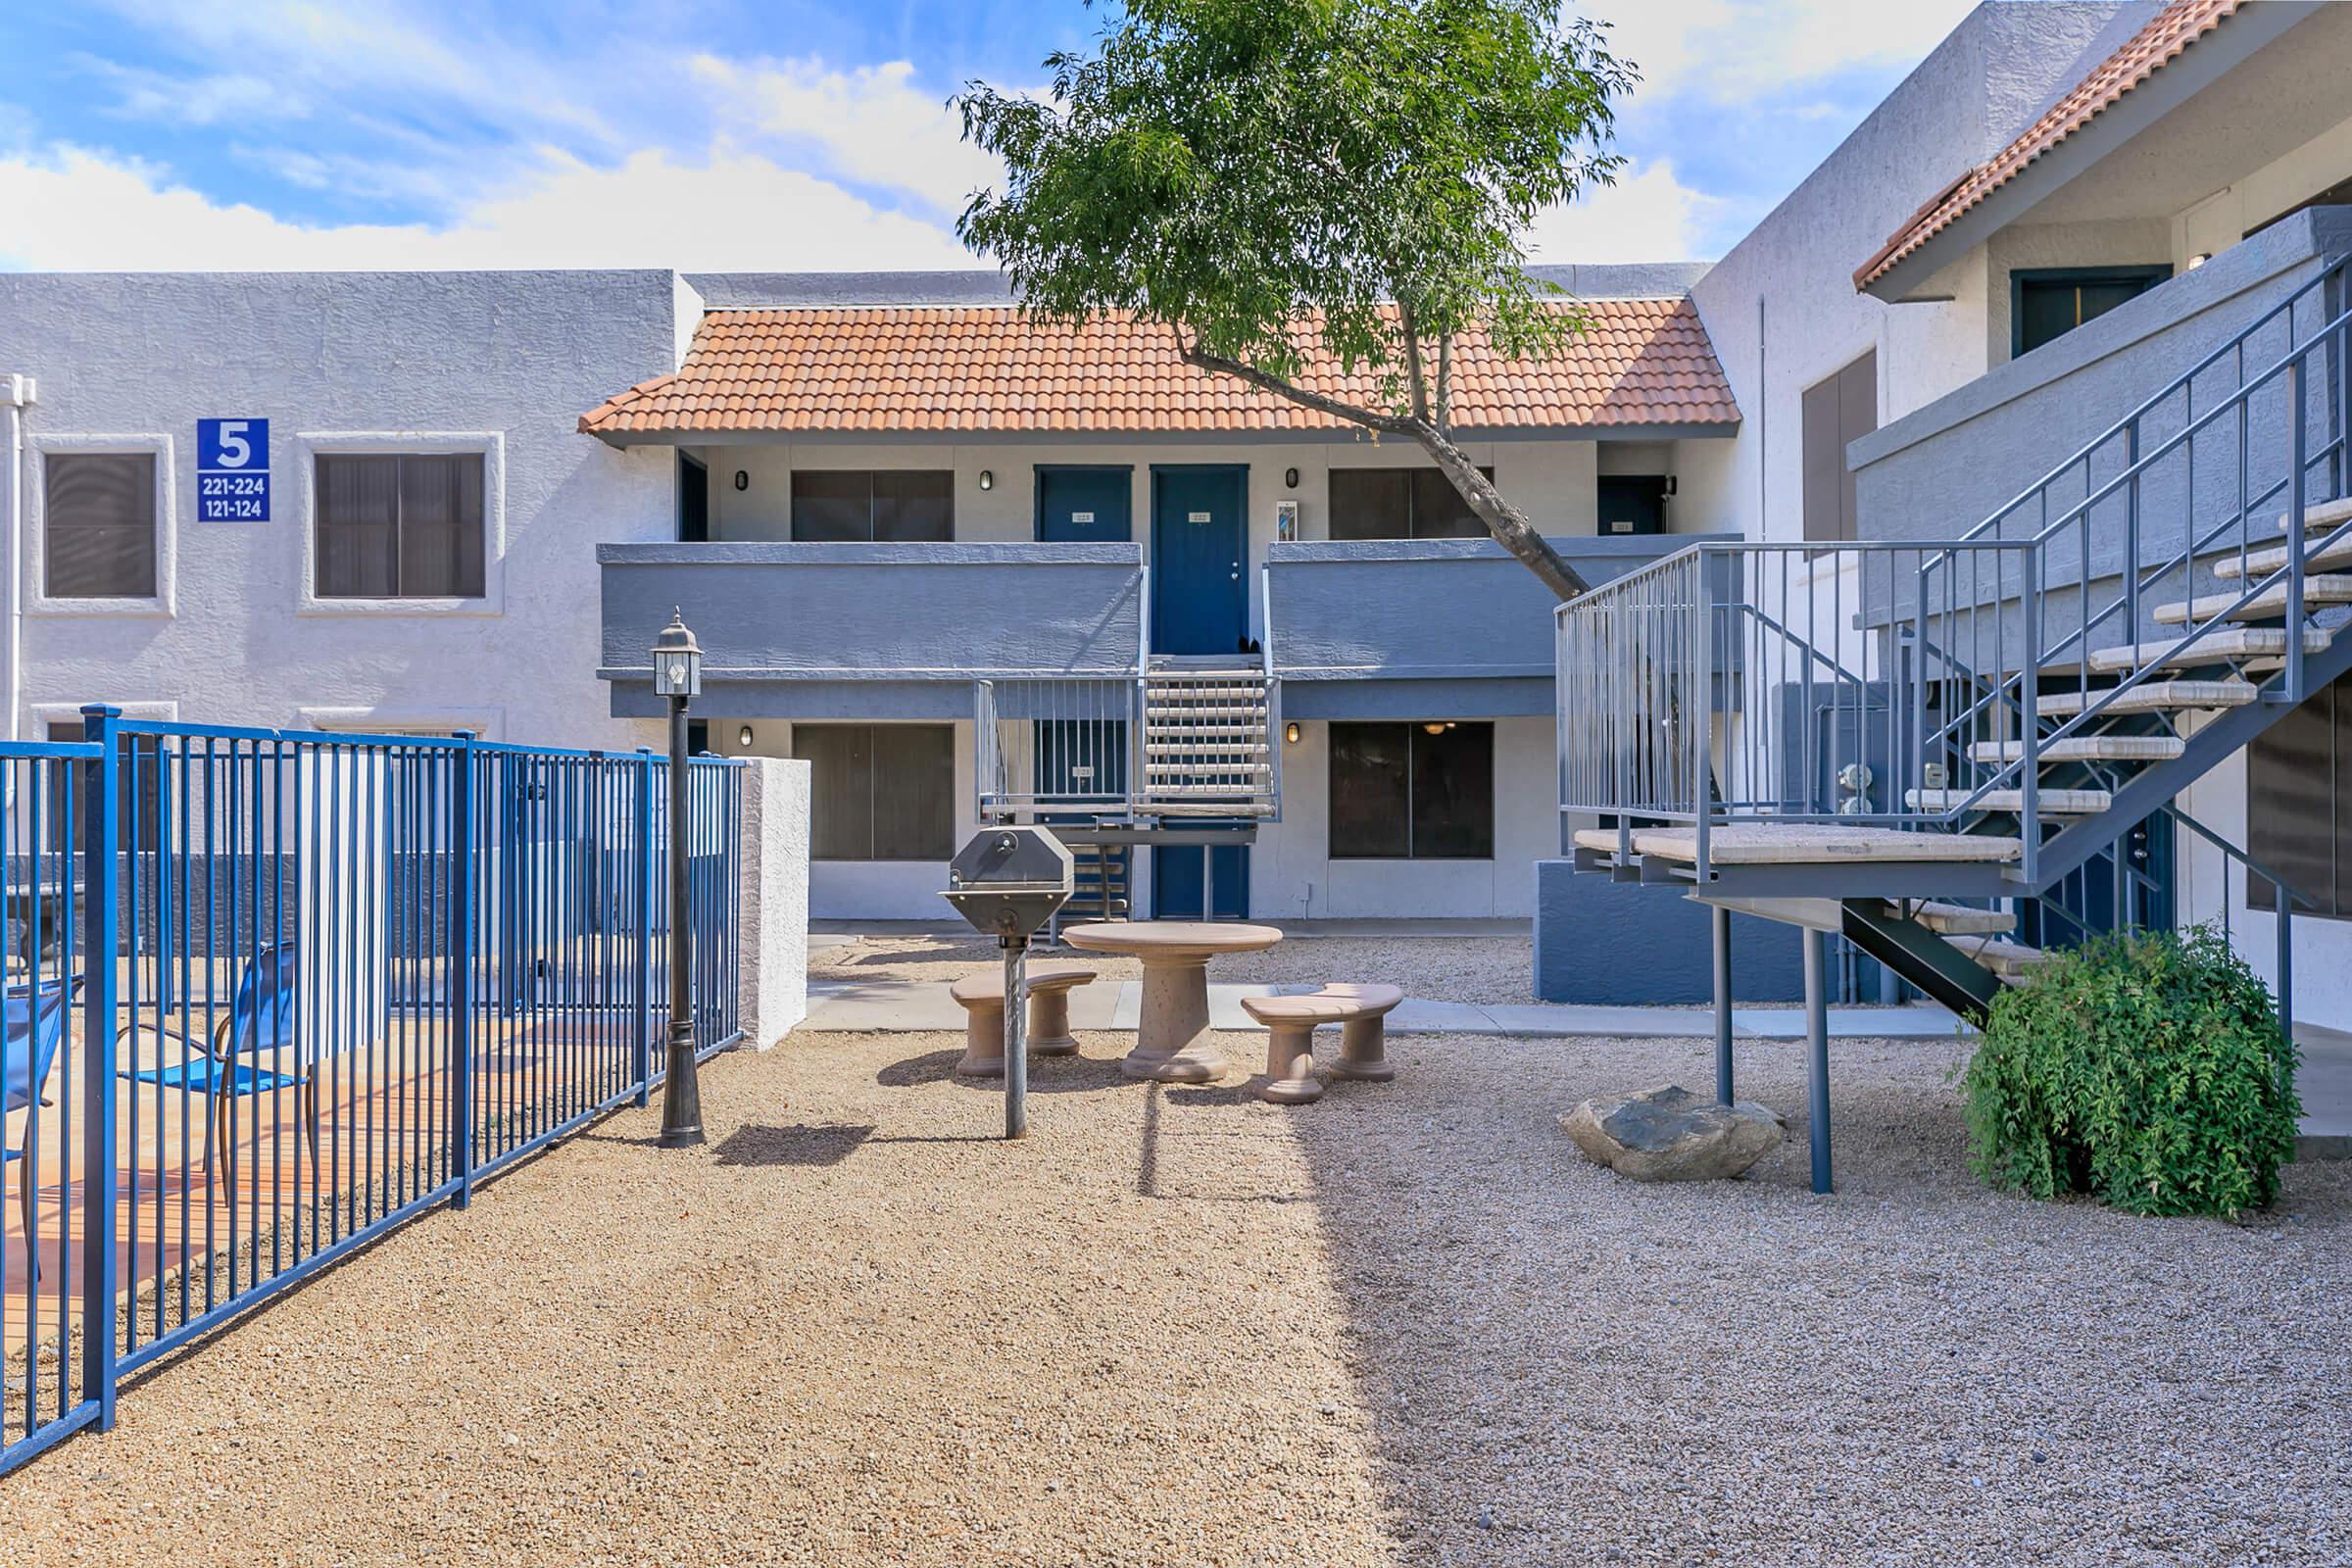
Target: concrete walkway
x=907, y=1007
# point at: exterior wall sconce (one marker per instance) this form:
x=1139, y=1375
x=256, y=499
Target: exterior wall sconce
x=742, y=737
x=2199, y=259
x=1437, y=726
x=742, y=479
x=1290, y=732
x=1289, y=478
x=988, y=479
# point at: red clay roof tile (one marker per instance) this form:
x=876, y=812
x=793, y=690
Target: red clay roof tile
x=987, y=368
x=2166, y=34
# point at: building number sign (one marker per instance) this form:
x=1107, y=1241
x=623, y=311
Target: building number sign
x=233, y=470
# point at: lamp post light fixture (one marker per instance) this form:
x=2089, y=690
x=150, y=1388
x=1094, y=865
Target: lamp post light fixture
x=678, y=676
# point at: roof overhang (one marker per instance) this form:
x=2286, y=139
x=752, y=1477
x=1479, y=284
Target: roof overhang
x=2182, y=78
x=624, y=439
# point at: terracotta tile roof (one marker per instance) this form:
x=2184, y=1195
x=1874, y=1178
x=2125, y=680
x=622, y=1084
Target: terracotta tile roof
x=2166, y=36
x=985, y=369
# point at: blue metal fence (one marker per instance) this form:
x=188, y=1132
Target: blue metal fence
x=268, y=993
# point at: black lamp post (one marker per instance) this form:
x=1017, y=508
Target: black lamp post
x=678, y=676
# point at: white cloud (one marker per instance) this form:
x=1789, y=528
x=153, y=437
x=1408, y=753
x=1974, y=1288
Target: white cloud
x=871, y=125
x=733, y=211
x=1647, y=216
x=1736, y=51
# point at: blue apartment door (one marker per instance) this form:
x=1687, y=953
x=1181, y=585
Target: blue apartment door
x=1177, y=872
x=1197, y=548
x=1085, y=504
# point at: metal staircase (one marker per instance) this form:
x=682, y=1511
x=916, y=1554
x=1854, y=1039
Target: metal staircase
x=1910, y=742
x=1178, y=752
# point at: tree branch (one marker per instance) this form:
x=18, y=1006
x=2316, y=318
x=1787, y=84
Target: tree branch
x=1444, y=413
x=1417, y=383
x=1387, y=424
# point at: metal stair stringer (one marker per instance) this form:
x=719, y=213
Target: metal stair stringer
x=1920, y=957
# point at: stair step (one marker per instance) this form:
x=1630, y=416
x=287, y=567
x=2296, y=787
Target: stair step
x=2085, y=748
x=2011, y=961
x=1956, y=920
x=2321, y=516
x=2231, y=641
x=1219, y=769
x=2320, y=588
x=1806, y=843
x=2051, y=803
x=2149, y=697
x=2234, y=567
x=1223, y=711
x=1193, y=747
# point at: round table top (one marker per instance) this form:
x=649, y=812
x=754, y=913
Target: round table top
x=1170, y=939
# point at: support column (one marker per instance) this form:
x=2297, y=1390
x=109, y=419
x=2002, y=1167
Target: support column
x=1817, y=1040
x=1722, y=922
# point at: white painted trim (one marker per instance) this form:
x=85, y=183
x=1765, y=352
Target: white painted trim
x=37, y=602
x=44, y=714
x=492, y=444
x=395, y=718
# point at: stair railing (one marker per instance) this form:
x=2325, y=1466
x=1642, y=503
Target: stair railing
x=1835, y=674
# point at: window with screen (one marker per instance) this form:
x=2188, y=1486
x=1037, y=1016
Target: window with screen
x=882, y=505
x=1837, y=411
x=1400, y=504
x=2299, y=803
x=879, y=792
x=98, y=525
x=2046, y=305
x=400, y=526
x=1412, y=792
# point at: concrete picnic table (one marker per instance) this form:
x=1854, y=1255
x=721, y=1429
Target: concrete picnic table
x=1171, y=1039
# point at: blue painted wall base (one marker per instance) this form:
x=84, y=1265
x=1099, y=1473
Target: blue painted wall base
x=1627, y=943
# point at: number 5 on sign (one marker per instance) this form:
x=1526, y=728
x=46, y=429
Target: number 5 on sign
x=233, y=470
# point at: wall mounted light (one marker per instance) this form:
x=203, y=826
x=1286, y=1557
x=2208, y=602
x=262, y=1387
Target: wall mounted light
x=2199, y=259
x=1289, y=478
x=1290, y=732
x=742, y=479
x=1434, y=728
x=988, y=479
x=742, y=737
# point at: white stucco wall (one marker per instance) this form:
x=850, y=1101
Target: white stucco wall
x=772, y=901
x=1553, y=481
x=498, y=360
x=1291, y=875
x=1782, y=308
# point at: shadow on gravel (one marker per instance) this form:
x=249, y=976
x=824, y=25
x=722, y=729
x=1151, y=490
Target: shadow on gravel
x=792, y=1146
x=1048, y=1075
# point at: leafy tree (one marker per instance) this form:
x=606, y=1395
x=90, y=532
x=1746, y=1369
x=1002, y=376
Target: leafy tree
x=1288, y=182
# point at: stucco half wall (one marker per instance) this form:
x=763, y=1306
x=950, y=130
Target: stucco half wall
x=772, y=900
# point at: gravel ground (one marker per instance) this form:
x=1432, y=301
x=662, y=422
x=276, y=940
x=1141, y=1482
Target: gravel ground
x=1473, y=969
x=1405, y=1326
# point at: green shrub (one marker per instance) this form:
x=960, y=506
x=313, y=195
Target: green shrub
x=2147, y=1071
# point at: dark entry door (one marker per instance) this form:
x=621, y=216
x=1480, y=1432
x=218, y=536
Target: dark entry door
x=1085, y=504
x=1177, y=874
x=694, y=500
x=1633, y=503
x=1197, y=547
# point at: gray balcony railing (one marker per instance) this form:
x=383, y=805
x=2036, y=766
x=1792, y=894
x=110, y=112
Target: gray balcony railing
x=905, y=613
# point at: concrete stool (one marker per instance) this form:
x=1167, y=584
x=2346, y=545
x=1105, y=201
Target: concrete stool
x=983, y=999
x=1291, y=1021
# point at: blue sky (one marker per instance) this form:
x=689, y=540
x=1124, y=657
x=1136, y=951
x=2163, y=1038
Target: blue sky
x=708, y=135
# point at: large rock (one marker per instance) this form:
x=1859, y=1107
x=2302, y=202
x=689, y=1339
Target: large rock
x=1672, y=1135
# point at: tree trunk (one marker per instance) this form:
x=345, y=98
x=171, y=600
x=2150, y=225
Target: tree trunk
x=1507, y=522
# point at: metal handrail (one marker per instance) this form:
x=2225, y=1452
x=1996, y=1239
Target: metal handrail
x=1869, y=676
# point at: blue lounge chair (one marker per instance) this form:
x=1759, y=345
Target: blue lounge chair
x=36, y=1026
x=260, y=1020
